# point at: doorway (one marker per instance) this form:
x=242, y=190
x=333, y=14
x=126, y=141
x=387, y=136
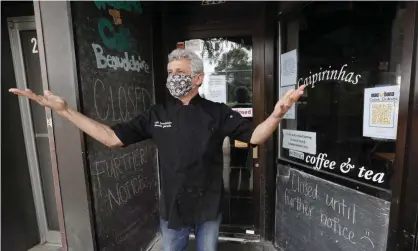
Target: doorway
x=228, y=79
x=238, y=55
x=228, y=68
x=26, y=62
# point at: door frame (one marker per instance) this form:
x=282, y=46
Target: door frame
x=15, y=25
x=403, y=218
x=262, y=30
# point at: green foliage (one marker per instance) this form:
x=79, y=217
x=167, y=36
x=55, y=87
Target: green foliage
x=214, y=47
x=233, y=60
x=235, y=64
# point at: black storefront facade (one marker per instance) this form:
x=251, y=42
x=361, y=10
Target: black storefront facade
x=339, y=174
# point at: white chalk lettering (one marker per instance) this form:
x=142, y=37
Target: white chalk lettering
x=126, y=98
x=304, y=188
x=298, y=204
x=117, y=166
x=337, y=228
x=122, y=193
x=336, y=216
x=339, y=206
x=114, y=62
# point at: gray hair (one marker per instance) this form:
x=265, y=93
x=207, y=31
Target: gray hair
x=195, y=61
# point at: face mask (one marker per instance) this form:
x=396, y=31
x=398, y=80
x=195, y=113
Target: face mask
x=179, y=85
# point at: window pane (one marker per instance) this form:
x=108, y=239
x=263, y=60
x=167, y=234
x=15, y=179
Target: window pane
x=352, y=68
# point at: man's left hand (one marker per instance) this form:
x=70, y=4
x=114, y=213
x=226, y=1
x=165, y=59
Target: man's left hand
x=287, y=101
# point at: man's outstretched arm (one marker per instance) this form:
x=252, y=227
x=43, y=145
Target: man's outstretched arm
x=96, y=130
x=102, y=133
x=239, y=128
x=264, y=130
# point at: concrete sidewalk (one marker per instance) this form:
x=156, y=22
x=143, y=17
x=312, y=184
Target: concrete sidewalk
x=228, y=246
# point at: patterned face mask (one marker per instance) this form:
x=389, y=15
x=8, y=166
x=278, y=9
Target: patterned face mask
x=179, y=85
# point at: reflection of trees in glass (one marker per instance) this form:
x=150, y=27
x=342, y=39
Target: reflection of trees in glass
x=233, y=60
x=235, y=64
x=214, y=47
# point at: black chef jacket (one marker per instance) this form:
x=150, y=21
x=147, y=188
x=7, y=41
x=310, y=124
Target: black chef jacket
x=189, y=139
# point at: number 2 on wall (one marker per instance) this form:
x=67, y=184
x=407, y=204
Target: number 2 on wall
x=35, y=45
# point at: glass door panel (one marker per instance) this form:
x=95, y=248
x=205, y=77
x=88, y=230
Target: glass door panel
x=229, y=79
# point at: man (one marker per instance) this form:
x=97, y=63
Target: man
x=188, y=132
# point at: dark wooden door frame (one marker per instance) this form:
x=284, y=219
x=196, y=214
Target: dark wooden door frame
x=262, y=29
x=404, y=209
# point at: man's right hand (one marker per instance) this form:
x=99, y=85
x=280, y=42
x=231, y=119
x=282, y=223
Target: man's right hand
x=49, y=100
x=98, y=131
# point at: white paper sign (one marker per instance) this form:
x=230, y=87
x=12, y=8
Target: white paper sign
x=380, y=114
x=288, y=68
x=245, y=112
x=216, y=90
x=291, y=113
x=299, y=141
x=194, y=45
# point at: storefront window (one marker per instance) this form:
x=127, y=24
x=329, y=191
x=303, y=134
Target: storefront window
x=349, y=55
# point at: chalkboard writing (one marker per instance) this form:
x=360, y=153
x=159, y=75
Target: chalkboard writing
x=113, y=51
x=317, y=215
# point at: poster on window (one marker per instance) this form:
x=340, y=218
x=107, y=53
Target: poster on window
x=195, y=45
x=301, y=141
x=380, y=115
x=291, y=113
x=217, y=90
x=288, y=68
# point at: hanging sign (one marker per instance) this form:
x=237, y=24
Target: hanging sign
x=217, y=89
x=288, y=68
x=245, y=112
x=195, y=45
x=300, y=141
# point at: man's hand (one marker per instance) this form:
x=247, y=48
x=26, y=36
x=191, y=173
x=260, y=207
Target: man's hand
x=98, y=131
x=266, y=129
x=287, y=101
x=49, y=100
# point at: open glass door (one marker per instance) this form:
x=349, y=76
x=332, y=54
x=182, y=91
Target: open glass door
x=228, y=79
x=24, y=43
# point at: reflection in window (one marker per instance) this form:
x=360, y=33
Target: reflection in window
x=230, y=61
x=339, y=61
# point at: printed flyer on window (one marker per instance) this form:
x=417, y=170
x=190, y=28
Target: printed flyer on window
x=380, y=116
